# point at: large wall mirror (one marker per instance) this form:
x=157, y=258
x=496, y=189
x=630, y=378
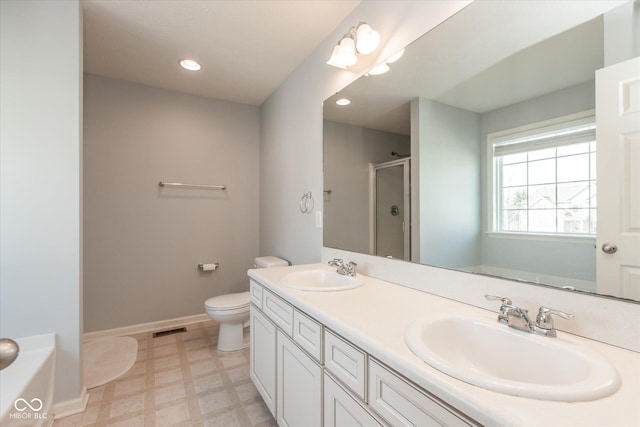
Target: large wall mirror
x=477, y=150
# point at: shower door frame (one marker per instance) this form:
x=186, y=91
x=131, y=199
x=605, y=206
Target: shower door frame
x=406, y=184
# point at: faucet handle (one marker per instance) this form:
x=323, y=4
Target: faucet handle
x=544, y=319
x=505, y=307
x=503, y=300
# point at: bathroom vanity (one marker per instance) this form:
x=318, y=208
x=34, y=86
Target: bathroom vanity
x=340, y=358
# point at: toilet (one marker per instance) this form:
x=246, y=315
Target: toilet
x=231, y=311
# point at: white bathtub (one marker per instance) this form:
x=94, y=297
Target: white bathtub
x=26, y=386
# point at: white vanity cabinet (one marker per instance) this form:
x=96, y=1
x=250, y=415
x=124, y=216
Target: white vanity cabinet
x=311, y=376
x=263, y=357
x=285, y=354
x=299, y=386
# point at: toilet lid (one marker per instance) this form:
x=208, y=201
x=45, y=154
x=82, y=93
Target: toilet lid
x=228, y=301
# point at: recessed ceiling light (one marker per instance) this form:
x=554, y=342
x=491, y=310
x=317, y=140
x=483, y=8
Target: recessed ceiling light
x=343, y=101
x=190, y=64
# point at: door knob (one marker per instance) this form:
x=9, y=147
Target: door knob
x=609, y=248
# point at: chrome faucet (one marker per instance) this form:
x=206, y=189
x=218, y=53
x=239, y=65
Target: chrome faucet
x=342, y=268
x=518, y=318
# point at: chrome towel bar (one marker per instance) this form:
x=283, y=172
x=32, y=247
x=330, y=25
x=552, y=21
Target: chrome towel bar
x=179, y=184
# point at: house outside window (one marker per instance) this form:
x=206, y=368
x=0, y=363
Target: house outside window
x=543, y=178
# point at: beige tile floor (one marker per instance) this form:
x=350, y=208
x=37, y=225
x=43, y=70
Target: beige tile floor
x=178, y=380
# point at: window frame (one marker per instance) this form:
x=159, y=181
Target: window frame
x=492, y=197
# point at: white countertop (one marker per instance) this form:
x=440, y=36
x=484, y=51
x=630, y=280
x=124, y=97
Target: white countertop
x=375, y=316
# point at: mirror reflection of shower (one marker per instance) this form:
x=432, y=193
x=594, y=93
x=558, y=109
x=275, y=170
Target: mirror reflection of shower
x=399, y=155
x=390, y=208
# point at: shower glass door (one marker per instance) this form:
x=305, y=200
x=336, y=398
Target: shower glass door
x=391, y=209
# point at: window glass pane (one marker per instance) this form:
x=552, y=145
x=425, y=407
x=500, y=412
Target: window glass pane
x=514, y=198
x=542, y=154
x=573, y=168
x=543, y=221
x=574, y=221
x=514, y=158
x=542, y=171
x=573, y=195
x=514, y=220
x=550, y=190
x=573, y=149
x=542, y=196
x=513, y=175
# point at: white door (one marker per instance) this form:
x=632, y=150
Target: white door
x=618, y=178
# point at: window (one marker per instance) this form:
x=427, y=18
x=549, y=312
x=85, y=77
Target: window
x=544, y=177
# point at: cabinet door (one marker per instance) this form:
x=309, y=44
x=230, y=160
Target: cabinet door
x=299, y=386
x=263, y=357
x=342, y=410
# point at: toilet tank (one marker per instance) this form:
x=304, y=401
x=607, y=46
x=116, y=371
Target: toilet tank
x=269, y=261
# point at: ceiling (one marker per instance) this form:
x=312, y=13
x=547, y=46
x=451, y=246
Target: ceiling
x=246, y=48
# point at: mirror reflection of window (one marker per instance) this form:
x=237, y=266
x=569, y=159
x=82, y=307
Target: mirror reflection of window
x=544, y=178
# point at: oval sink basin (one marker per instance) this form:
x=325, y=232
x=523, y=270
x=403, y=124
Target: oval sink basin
x=321, y=281
x=493, y=356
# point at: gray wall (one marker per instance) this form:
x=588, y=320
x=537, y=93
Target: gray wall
x=557, y=258
x=448, y=171
x=142, y=243
x=41, y=180
x=347, y=152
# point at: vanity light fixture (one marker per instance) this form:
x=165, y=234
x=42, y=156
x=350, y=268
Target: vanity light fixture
x=393, y=58
x=379, y=69
x=190, y=64
x=343, y=101
x=358, y=40
x=384, y=67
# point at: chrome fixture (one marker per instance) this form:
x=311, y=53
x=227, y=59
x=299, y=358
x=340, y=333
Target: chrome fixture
x=179, y=184
x=306, y=203
x=518, y=318
x=361, y=39
x=9, y=350
x=342, y=268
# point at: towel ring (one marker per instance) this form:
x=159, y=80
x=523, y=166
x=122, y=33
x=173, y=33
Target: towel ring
x=306, y=202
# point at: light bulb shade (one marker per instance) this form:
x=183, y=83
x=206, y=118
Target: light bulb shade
x=367, y=39
x=379, y=69
x=347, y=52
x=393, y=58
x=334, y=58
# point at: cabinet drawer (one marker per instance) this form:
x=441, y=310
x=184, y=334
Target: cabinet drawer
x=307, y=333
x=346, y=362
x=402, y=404
x=280, y=312
x=255, y=291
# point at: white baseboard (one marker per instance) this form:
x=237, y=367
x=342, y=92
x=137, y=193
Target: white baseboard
x=71, y=407
x=146, y=327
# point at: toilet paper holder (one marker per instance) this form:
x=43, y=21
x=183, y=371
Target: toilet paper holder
x=208, y=267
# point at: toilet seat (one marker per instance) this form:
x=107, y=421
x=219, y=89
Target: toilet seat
x=228, y=302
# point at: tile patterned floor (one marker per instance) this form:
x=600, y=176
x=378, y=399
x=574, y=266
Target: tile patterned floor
x=179, y=380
